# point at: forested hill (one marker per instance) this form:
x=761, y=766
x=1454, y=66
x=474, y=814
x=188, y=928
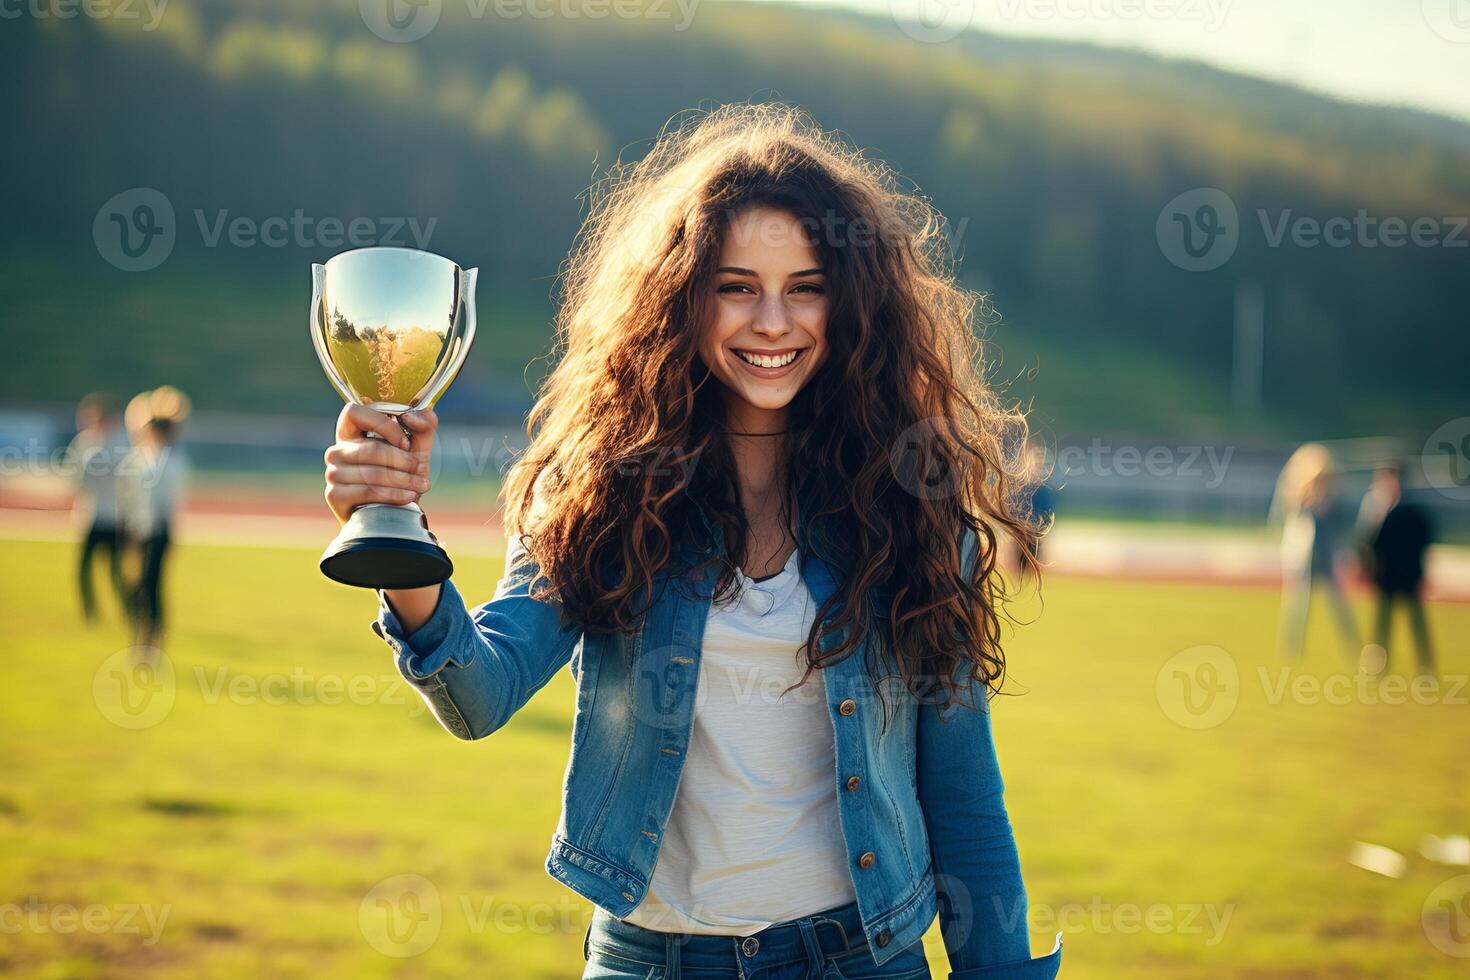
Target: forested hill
x=1053, y=162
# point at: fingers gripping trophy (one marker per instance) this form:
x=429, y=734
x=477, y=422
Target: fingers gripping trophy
x=392, y=327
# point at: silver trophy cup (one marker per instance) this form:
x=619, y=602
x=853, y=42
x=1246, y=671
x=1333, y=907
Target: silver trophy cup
x=392, y=327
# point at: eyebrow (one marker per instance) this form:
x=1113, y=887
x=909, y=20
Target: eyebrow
x=750, y=272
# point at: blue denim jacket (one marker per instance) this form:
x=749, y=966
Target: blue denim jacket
x=920, y=799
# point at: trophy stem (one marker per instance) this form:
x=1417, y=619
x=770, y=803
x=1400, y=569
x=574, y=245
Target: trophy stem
x=386, y=546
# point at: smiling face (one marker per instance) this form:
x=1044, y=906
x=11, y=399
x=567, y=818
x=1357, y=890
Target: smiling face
x=767, y=331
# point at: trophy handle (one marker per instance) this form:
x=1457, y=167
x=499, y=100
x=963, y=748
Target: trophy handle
x=318, y=340
x=461, y=342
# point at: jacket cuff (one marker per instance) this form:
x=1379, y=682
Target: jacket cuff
x=1041, y=968
x=435, y=644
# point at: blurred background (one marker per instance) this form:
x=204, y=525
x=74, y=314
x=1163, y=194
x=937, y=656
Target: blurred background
x=1212, y=231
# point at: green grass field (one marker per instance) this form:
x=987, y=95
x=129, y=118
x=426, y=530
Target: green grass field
x=244, y=827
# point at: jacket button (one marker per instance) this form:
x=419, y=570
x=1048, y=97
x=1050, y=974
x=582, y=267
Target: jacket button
x=852, y=783
x=867, y=860
x=847, y=707
x=884, y=937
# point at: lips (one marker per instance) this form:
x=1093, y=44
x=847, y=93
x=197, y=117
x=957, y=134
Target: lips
x=786, y=361
x=769, y=358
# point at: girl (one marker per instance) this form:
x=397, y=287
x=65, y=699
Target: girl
x=157, y=475
x=1314, y=527
x=758, y=517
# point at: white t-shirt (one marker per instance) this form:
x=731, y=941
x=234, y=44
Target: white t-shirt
x=153, y=488
x=95, y=458
x=755, y=836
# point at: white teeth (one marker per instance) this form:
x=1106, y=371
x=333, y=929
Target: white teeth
x=762, y=360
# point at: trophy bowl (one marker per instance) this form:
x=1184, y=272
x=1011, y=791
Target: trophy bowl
x=391, y=327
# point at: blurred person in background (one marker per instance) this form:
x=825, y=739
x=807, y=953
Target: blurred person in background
x=1036, y=499
x=1315, y=526
x=1393, y=536
x=1043, y=508
x=131, y=501
x=93, y=460
x=155, y=488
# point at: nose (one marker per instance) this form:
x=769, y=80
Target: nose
x=771, y=320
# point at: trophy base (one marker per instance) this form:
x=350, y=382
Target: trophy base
x=386, y=546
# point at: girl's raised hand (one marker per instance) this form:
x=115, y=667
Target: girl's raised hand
x=374, y=461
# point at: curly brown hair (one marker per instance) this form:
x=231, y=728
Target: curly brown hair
x=897, y=447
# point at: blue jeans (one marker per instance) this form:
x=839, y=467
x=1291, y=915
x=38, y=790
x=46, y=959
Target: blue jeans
x=1296, y=601
x=825, y=946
